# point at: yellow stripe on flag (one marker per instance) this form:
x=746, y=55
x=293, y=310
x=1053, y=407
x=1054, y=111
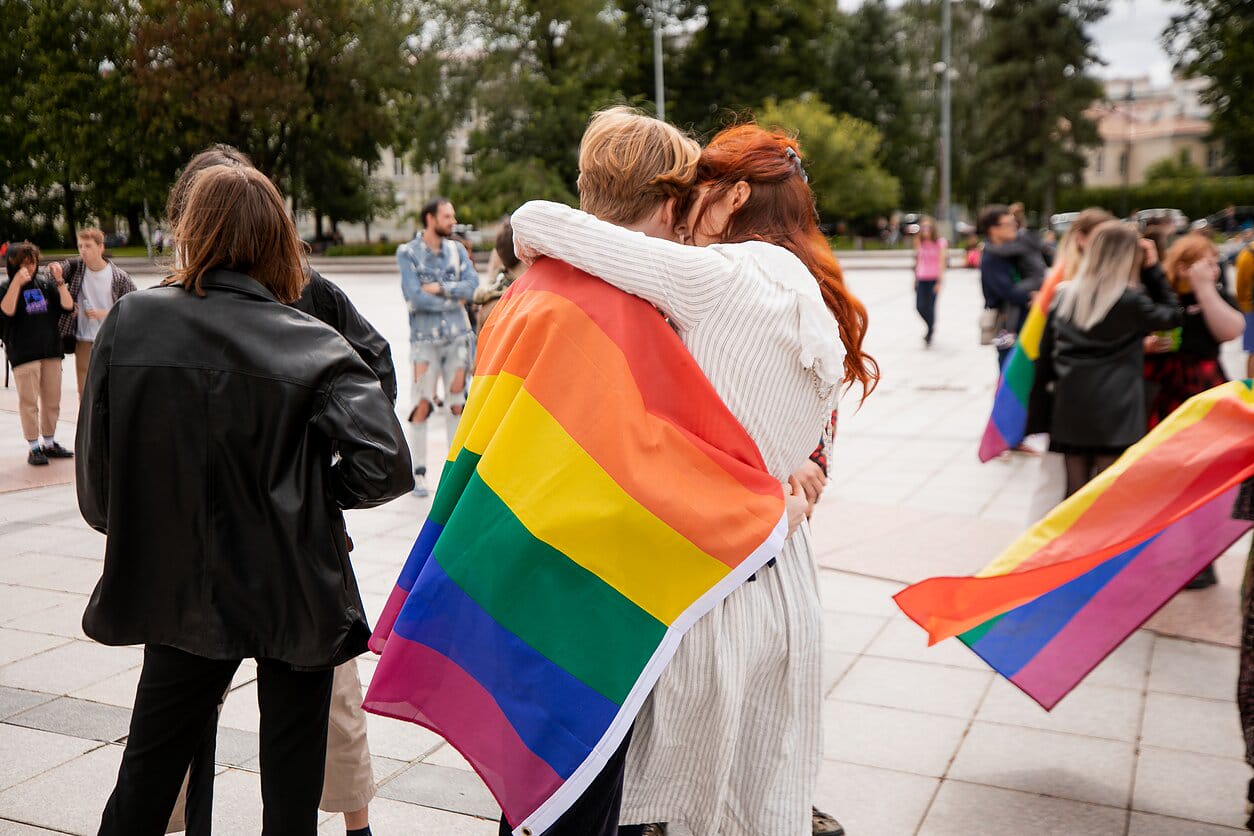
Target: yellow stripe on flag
x=567, y=500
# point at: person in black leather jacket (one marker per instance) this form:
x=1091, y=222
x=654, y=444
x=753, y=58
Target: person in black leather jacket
x=220, y=435
x=1092, y=350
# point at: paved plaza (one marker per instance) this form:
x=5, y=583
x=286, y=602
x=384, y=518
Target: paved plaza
x=916, y=740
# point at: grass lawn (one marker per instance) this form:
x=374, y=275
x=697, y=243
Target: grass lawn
x=116, y=252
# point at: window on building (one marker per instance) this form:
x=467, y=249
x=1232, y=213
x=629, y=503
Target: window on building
x=398, y=166
x=1123, y=163
x=1099, y=162
x=1212, y=158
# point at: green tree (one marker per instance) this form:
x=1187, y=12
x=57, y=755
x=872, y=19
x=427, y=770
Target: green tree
x=1034, y=58
x=501, y=187
x=300, y=85
x=745, y=51
x=921, y=25
x=867, y=76
x=841, y=155
x=70, y=124
x=542, y=68
x=1214, y=39
x=1181, y=167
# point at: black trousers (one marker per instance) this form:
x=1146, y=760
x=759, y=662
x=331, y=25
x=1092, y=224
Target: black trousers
x=176, y=704
x=595, y=813
x=925, y=304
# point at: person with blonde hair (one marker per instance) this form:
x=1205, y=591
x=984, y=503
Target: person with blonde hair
x=728, y=741
x=220, y=502
x=96, y=284
x=1092, y=352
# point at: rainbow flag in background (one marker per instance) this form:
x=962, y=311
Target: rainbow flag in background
x=1006, y=426
x=598, y=499
x=1079, y=582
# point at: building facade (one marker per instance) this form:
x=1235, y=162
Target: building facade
x=1141, y=124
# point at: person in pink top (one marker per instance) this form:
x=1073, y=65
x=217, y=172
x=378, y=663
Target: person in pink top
x=929, y=268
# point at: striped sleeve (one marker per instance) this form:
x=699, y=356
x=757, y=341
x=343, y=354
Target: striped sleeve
x=685, y=282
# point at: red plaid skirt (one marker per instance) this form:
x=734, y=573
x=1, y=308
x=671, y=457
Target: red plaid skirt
x=1171, y=379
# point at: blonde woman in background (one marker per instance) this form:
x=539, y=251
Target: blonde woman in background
x=1051, y=485
x=1092, y=350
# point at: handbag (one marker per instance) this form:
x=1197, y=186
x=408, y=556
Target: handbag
x=992, y=320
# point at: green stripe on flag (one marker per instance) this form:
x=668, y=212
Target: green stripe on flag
x=552, y=603
x=453, y=481
x=976, y=633
x=1019, y=374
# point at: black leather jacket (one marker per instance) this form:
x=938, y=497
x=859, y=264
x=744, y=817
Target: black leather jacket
x=206, y=449
x=1098, y=389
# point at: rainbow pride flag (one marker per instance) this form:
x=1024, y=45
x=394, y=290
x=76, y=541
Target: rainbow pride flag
x=1079, y=582
x=1006, y=426
x=598, y=499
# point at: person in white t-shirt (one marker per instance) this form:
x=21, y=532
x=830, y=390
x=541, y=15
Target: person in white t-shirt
x=95, y=284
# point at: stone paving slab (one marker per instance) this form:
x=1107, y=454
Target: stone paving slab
x=77, y=718
x=442, y=788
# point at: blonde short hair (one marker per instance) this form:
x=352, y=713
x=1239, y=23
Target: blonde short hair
x=629, y=163
x=91, y=233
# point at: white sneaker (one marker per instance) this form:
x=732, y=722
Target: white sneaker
x=420, y=486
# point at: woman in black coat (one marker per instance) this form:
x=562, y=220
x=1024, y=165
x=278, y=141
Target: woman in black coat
x=1092, y=350
x=220, y=434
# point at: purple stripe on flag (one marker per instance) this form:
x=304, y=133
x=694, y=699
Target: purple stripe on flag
x=1181, y=551
x=415, y=683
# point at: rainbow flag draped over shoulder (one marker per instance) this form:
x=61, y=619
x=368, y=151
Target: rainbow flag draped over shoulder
x=1079, y=582
x=598, y=499
x=1006, y=426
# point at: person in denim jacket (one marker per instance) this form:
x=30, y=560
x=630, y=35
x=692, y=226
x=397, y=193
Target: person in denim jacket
x=437, y=278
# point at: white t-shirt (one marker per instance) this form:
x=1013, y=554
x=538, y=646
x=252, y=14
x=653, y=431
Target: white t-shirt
x=97, y=294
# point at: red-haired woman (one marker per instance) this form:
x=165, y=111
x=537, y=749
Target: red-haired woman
x=1186, y=363
x=728, y=742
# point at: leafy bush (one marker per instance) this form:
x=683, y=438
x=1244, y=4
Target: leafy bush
x=1196, y=197
x=375, y=248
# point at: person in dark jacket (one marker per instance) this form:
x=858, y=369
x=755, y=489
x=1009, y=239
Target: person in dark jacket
x=1006, y=290
x=348, y=784
x=221, y=433
x=1092, y=350
x=29, y=307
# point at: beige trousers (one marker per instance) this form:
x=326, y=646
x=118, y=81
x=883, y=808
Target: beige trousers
x=82, y=358
x=39, y=397
x=349, y=781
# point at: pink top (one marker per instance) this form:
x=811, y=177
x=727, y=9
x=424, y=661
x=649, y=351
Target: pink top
x=928, y=266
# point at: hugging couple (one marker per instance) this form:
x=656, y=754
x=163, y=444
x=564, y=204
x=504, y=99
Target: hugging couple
x=724, y=242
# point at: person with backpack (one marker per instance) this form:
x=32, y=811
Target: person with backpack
x=437, y=279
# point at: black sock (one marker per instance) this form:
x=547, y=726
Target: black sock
x=365, y=831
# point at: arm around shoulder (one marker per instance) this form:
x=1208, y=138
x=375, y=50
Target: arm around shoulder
x=683, y=281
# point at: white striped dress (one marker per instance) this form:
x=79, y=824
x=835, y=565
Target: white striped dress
x=728, y=743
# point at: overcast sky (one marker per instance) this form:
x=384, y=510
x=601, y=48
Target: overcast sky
x=1127, y=37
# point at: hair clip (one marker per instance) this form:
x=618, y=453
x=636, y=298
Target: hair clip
x=796, y=160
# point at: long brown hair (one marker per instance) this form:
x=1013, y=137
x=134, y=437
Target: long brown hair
x=780, y=210
x=234, y=218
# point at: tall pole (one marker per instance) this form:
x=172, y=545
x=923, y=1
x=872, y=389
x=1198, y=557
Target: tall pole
x=946, y=209
x=659, y=93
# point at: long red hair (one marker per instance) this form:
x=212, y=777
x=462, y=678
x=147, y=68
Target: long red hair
x=780, y=210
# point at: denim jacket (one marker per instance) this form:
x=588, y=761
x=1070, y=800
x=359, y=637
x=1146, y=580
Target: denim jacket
x=436, y=318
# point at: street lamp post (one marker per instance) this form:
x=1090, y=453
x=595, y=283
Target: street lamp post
x=946, y=211
x=659, y=92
